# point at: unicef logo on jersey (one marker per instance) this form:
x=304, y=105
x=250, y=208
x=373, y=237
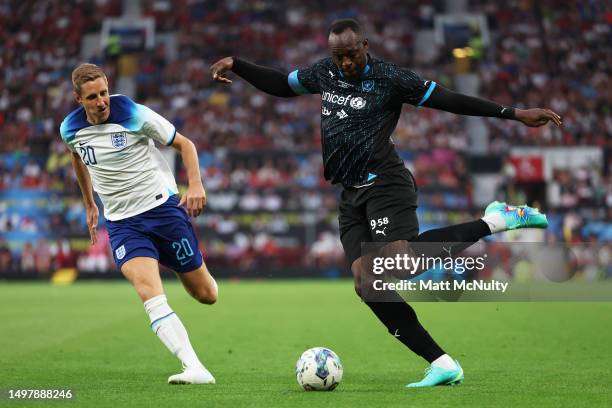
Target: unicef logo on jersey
x=358, y=103
x=119, y=140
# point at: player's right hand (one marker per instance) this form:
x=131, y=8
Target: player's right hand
x=537, y=117
x=92, y=223
x=194, y=199
x=220, y=68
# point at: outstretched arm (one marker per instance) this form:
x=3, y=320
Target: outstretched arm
x=447, y=100
x=268, y=80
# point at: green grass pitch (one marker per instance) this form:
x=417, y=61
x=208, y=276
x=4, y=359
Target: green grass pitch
x=94, y=338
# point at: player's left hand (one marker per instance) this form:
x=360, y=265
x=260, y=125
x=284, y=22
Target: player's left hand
x=537, y=117
x=92, y=223
x=194, y=200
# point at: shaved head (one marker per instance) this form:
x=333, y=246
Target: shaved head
x=340, y=26
x=348, y=47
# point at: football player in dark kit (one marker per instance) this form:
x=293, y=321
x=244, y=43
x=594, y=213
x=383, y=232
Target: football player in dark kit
x=362, y=99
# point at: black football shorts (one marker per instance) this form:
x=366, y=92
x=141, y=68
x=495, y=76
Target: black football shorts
x=382, y=212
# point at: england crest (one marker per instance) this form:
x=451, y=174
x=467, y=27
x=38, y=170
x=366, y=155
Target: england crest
x=120, y=252
x=367, y=86
x=119, y=140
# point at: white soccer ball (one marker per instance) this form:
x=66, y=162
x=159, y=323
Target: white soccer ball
x=319, y=369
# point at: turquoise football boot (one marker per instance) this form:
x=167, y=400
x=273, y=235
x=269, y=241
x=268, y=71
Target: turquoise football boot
x=440, y=376
x=521, y=216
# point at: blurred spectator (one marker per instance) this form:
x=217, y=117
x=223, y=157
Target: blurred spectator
x=327, y=250
x=97, y=258
x=42, y=257
x=6, y=256
x=28, y=263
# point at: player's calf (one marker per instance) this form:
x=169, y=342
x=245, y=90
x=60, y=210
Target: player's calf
x=200, y=284
x=171, y=331
x=205, y=295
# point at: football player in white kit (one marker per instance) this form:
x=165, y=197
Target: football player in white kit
x=113, y=152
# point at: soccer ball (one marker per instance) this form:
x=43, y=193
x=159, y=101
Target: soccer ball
x=319, y=369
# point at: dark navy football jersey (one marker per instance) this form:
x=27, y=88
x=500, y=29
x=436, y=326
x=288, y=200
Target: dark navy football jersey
x=359, y=116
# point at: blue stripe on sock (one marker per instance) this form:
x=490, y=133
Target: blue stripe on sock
x=160, y=319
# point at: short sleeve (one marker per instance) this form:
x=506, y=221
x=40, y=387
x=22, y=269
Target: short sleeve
x=305, y=81
x=68, y=141
x=70, y=147
x=156, y=126
x=68, y=130
x=409, y=87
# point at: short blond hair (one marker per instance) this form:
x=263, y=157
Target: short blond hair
x=84, y=73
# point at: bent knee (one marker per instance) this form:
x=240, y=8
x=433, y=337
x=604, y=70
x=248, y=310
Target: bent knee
x=358, y=286
x=356, y=268
x=393, y=248
x=358, y=290
x=206, y=296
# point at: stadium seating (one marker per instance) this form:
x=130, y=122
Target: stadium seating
x=260, y=159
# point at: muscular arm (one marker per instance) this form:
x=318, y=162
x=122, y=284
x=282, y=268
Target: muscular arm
x=84, y=180
x=86, y=186
x=268, y=80
x=447, y=100
x=454, y=102
x=195, y=197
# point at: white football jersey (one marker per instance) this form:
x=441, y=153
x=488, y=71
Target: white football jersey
x=128, y=172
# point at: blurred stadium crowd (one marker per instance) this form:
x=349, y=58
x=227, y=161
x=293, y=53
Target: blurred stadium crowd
x=268, y=205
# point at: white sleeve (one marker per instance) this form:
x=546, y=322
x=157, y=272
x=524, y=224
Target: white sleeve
x=156, y=126
x=70, y=146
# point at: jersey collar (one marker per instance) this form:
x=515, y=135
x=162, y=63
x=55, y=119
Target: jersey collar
x=366, y=70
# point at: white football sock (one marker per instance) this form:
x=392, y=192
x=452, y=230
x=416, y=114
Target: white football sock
x=495, y=221
x=170, y=330
x=444, y=361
